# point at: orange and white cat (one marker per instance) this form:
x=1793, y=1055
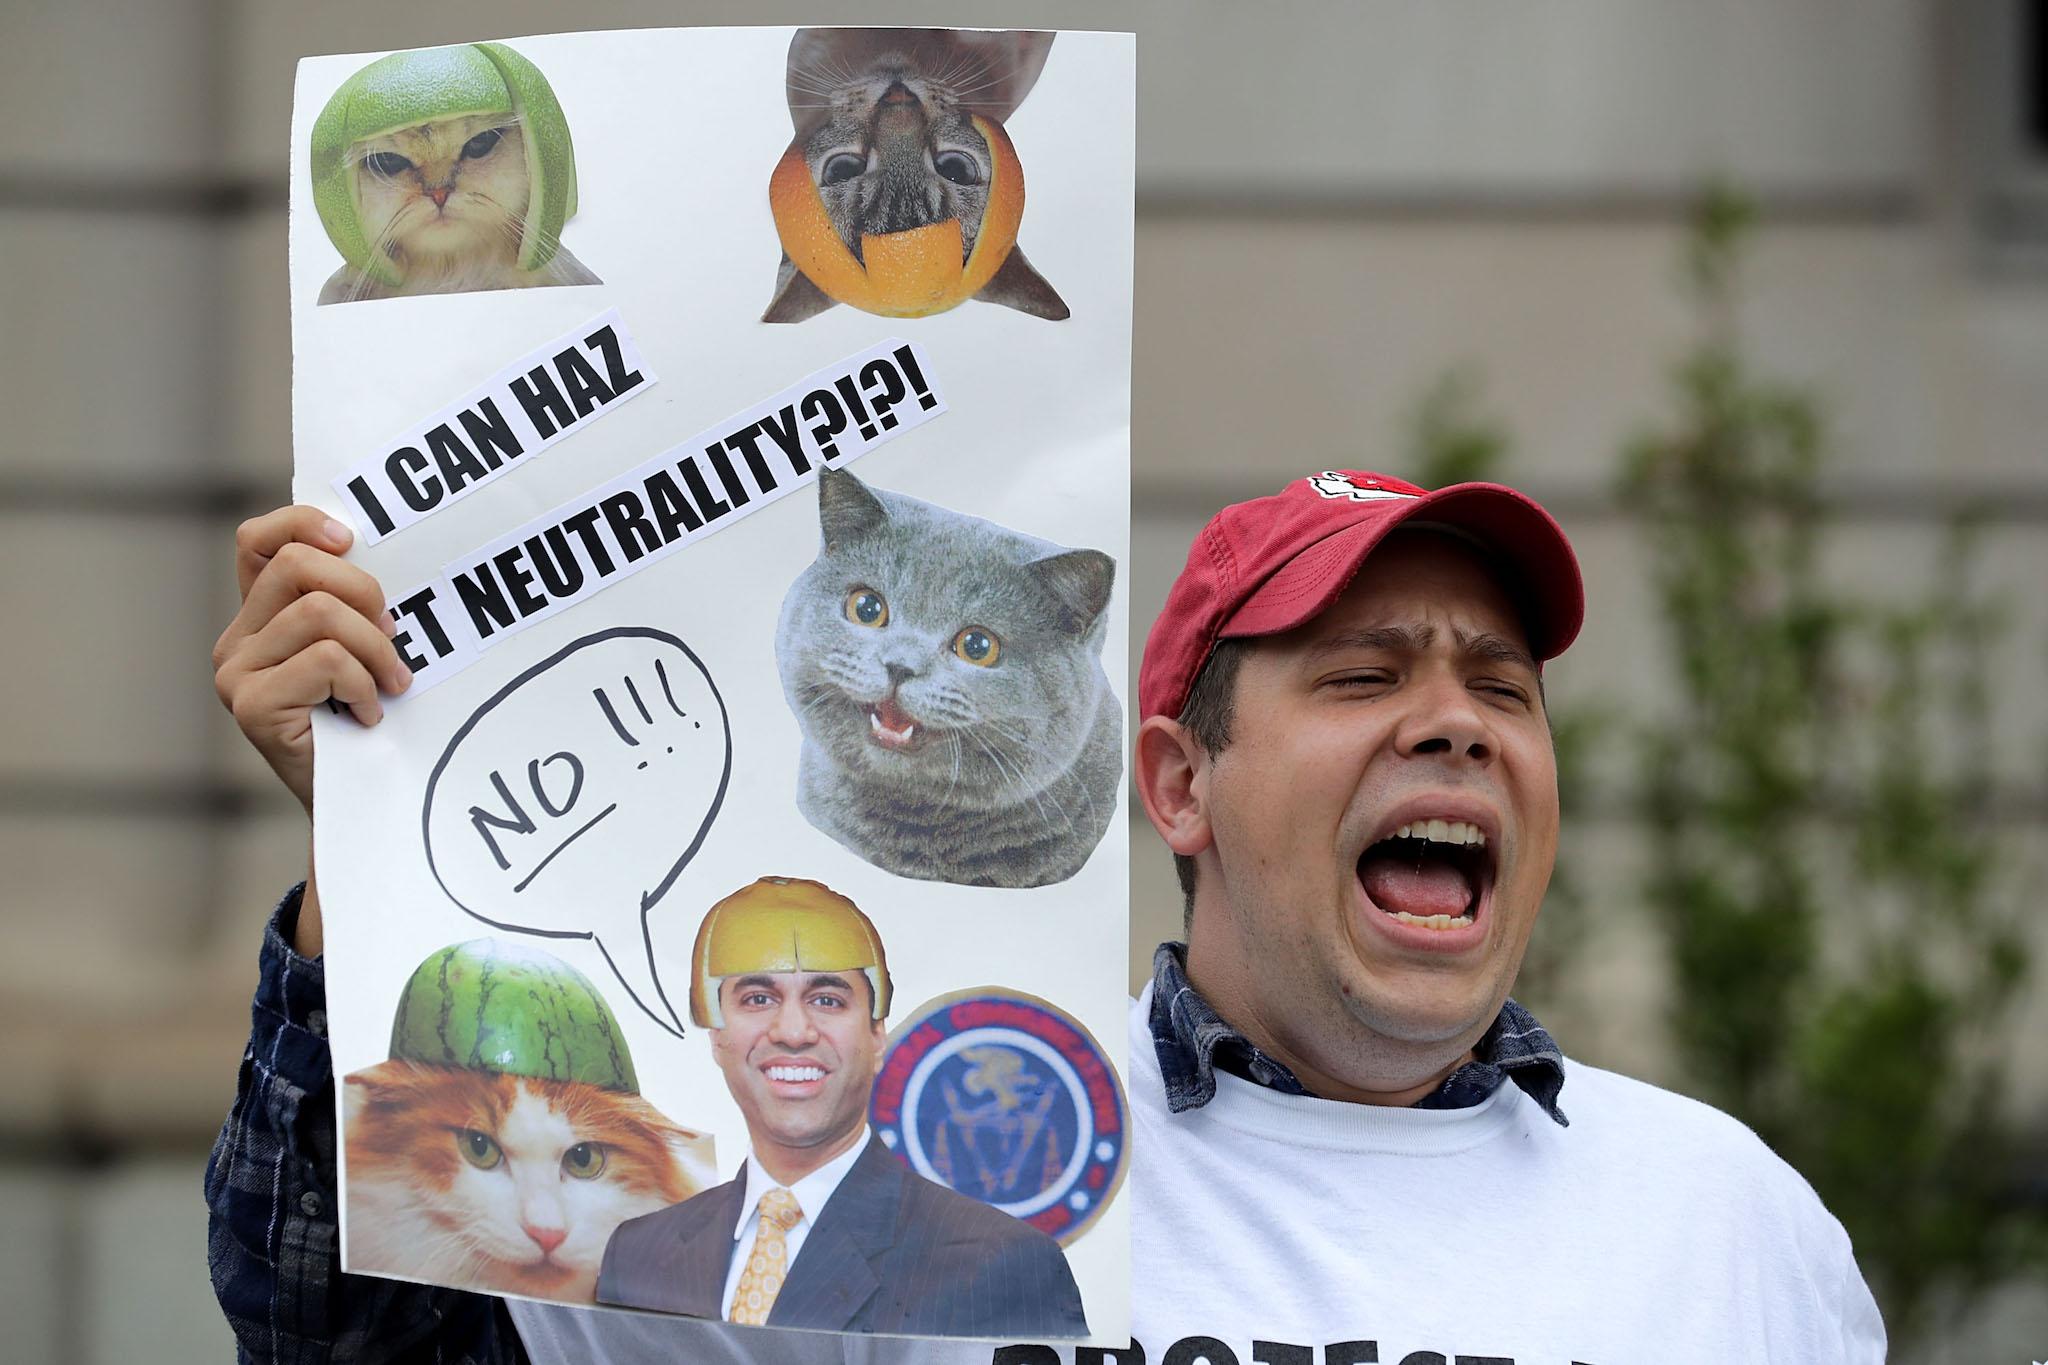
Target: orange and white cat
x=445, y=203
x=505, y=1183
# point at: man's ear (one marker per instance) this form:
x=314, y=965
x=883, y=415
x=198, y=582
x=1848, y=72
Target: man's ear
x=1171, y=768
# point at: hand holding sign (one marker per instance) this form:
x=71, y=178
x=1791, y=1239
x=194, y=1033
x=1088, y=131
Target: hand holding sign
x=566, y=806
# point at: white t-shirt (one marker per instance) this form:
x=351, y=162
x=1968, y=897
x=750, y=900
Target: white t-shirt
x=1652, y=1229
x=1287, y=1230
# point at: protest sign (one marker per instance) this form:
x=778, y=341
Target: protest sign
x=753, y=513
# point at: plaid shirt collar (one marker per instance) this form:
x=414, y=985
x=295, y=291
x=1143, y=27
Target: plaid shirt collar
x=1192, y=1041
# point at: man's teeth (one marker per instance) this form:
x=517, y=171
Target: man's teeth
x=796, y=1073
x=1433, y=921
x=1442, y=832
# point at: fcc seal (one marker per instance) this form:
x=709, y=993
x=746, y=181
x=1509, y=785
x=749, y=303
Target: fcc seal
x=1009, y=1100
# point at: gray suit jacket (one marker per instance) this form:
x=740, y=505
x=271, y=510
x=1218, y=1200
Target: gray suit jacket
x=892, y=1253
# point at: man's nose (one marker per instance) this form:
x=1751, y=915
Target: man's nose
x=791, y=1025
x=1445, y=721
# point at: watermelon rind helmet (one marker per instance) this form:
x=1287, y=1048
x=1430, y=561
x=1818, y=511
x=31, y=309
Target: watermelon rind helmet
x=495, y=1005
x=407, y=89
x=784, y=924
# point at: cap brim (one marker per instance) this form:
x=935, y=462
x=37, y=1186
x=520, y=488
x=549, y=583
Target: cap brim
x=1528, y=543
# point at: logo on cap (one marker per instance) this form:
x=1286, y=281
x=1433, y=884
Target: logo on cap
x=1333, y=483
x=1007, y=1099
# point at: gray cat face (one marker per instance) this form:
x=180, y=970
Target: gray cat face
x=897, y=150
x=952, y=658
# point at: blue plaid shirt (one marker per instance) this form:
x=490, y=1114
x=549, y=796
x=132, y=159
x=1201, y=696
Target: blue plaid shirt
x=273, y=1242
x=1192, y=1041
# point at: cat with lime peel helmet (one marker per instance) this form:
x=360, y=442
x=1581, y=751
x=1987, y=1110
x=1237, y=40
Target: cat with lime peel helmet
x=784, y=924
x=445, y=170
x=494, y=1005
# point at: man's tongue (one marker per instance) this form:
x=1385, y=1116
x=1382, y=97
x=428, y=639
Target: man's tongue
x=1432, y=887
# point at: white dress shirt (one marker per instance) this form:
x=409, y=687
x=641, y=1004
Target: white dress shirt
x=811, y=1193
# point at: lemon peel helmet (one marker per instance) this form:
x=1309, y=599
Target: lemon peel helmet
x=407, y=89
x=783, y=924
x=909, y=274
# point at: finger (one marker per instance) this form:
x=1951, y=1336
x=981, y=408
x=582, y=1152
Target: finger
x=322, y=616
x=258, y=539
x=295, y=570
x=276, y=701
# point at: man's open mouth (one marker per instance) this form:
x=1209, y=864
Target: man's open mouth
x=892, y=727
x=793, y=1073
x=1431, y=873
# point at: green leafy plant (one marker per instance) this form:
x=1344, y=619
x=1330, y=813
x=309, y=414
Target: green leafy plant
x=1840, y=917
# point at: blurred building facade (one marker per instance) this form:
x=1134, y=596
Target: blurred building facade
x=1337, y=203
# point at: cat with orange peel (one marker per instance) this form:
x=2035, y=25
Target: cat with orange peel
x=901, y=193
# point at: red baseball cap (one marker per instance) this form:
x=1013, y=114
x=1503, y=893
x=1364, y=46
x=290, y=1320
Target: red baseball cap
x=1271, y=564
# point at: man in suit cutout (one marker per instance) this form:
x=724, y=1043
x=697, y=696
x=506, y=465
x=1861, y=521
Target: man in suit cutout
x=823, y=1227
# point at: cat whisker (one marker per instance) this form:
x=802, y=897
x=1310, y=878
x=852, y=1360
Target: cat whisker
x=838, y=70
x=1017, y=737
x=823, y=78
x=1037, y=799
x=991, y=77
x=996, y=760
x=1023, y=744
x=818, y=703
x=363, y=282
x=956, y=82
x=1013, y=777
x=963, y=64
x=812, y=86
x=455, y=1254
x=964, y=91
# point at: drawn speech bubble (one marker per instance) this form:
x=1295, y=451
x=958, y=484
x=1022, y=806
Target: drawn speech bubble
x=566, y=806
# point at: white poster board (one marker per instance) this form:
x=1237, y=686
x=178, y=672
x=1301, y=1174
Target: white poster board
x=762, y=668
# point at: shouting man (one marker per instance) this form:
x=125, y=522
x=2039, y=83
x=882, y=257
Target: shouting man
x=1343, y=740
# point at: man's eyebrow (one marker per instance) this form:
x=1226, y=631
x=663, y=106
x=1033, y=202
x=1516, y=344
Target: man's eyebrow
x=760, y=979
x=1392, y=638
x=1499, y=649
x=1414, y=639
x=831, y=979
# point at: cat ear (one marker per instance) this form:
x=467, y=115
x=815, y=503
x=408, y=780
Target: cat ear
x=1079, y=581
x=1004, y=65
x=695, y=1156
x=796, y=298
x=1018, y=286
x=385, y=1085
x=846, y=509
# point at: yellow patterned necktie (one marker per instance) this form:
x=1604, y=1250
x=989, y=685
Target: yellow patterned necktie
x=768, y=1266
